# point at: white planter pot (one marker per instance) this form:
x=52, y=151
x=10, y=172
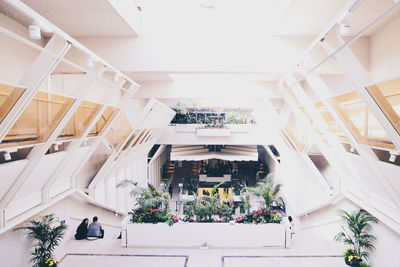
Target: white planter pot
x=214, y=234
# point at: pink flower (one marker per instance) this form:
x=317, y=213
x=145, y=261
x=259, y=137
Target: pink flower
x=154, y=210
x=274, y=211
x=239, y=219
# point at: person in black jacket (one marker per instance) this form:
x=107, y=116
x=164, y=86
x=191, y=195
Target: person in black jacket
x=81, y=231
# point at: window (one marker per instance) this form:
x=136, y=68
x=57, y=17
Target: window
x=127, y=144
x=361, y=121
x=140, y=137
x=311, y=121
x=103, y=121
x=297, y=133
x=119, y=131
x=9, y=95
x=80, y=121
x=38, y=120
x=387, y=96
x=333, y=126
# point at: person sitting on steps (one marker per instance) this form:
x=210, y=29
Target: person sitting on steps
x=82, y=230
x=95, y=229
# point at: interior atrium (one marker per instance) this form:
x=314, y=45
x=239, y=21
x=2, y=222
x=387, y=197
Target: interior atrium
x=218, y=133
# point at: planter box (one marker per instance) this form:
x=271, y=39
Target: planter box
x=214, y=234
x=213, y=132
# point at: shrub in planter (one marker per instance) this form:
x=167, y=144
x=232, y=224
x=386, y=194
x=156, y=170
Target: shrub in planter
x=260, y=216
x=357, y=233
x=45, y=237
x=205, y=208
x=152, y=204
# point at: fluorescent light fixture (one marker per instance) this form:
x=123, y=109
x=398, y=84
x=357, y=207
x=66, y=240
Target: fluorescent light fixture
x=7, y=156
x=117, y=76
x=90, y=62
x=344, y=29
x=85, y=142
x=392, y=157
x=34, y=31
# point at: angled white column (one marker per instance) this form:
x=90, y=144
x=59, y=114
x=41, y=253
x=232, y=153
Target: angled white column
x=341, y=166
x=360, y=78
x=43, y=65
x=39, y=150
x=365, y=151
x=74, y=145
x=98, y=139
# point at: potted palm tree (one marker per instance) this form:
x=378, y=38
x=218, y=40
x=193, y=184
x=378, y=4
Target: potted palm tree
x=152, y=203
x=45, y=237
x=268, y=190
x=357, y=233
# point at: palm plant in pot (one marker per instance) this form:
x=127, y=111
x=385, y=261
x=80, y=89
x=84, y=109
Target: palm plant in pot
x=152, y=203
x=357, y=233
x=45, y=237
x=268, y=190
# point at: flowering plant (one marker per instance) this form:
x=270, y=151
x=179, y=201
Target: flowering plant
x=50, y=262
x=239, y=219
x=351, y=258
x=260, y=216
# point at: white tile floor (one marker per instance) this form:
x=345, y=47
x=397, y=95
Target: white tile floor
x=123, y=261
x=310, y=256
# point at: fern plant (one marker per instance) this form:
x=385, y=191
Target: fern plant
x=357, y=232
x=45, y=237
x=268, y=190
x=148, y=197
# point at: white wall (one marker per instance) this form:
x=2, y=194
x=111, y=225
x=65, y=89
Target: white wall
x=14, y=247
x=385, y=51
x=16, y=56
x=180, y=53
x=240, y=135
x=325, y=223
x=155, y=166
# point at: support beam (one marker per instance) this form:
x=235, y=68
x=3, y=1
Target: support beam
x=39, y=150
x=74, y=145
x=365, y=151
x=43, y=65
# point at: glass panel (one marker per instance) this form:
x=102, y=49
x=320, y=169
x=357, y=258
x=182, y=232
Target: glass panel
x=144, y=139
x=364, y=125
x=297, y=133
x=39, y=120
x=140, y=137
x=9, y=95
x=387, y=96
x=333, y=125
x=119, y=131
x=80, y=121
x=103, y=121
x=130, y=140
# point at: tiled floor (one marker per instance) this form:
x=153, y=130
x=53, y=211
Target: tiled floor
x=121, y=260
x=105, y=253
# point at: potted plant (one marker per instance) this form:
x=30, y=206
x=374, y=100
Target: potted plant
x=45, y=237
x=268, y=190
x=152, y=204
x=357, y=234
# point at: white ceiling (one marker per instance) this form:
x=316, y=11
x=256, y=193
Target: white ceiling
x=83, y=17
